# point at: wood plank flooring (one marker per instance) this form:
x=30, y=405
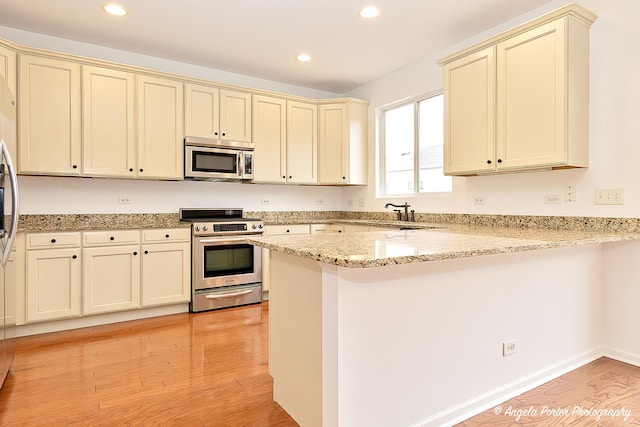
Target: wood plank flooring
x=203, y=369
x=211, y=369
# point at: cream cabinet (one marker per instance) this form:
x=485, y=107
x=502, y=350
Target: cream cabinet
x=53, y=276
x=160, y=124
x=111, y=271
x=166, y=266
x=212, y=112
x=270, y=139
x=108, y=127
x=342, y=143
x=49, y=131
x=302, y=143
x=520, y=100
x=8, y=67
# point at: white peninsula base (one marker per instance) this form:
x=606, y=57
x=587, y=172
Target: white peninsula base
x=421, y=343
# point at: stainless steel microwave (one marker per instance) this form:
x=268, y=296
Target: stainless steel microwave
x=213, y=160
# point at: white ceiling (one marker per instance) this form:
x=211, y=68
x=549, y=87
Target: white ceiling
x=261, y=38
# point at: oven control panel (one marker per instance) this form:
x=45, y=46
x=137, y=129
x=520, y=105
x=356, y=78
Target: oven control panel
x=221, y=228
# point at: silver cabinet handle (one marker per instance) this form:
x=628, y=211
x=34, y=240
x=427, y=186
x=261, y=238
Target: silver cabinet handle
x=232, y=294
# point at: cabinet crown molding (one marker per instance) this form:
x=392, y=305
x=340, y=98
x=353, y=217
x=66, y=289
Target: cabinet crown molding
x=573, y=10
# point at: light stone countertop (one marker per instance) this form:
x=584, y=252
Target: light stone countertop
x=380, y=248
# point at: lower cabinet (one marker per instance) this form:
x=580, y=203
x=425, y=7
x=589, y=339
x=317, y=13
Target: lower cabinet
x=53, y=284
x=84, y=273
x=110, y=279
x=166, y=273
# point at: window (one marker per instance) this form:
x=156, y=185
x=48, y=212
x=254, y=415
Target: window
x=411, y=148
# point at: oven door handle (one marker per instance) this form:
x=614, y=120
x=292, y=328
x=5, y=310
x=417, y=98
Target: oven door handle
x=229, y=295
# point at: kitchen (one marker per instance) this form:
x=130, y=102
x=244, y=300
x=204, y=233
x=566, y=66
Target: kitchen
x=612, y=156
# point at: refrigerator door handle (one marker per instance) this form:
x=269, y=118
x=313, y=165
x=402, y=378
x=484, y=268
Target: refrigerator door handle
x=13, y=178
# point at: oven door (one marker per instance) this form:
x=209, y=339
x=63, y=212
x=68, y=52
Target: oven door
x=212, y=163
x=225, y=261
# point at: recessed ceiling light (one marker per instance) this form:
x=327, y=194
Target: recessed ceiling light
x=114, y=9
x=369, y=12
x=303, y=57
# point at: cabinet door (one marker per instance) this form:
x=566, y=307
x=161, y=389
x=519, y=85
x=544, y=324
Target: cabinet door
x=49, y=111
x=111, y=279
x=166, y=273
x=201, y=111
x=108, y=132
x=160, y=128
x=469, y=113
x=333, y=143
x=235, y=115
x=302, y=143
x=53, y=284
x=270, y=139
x=531, y=98
x=8, y=67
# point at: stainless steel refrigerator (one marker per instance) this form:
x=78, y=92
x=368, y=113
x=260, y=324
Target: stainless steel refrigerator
x=8, y=228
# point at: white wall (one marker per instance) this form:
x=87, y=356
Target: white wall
x=614, y=128
x=47, y=195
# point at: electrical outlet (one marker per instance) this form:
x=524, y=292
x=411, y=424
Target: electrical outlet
x=265, y=202
x=570, y=193
x=478, y=200
x=361, y=202
x=552, y=198
x=319, y=201
x=508, y=347
x=349, y=202
x=124, y=200
x=610, y=196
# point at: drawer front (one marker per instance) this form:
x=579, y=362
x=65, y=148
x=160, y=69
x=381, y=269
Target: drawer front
x=166, y=235
x=53, y=240
x=221, y=298
x=319, y=228
x=274, y=230
x=113, y=237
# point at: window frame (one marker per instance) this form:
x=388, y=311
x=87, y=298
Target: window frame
x=381, y=171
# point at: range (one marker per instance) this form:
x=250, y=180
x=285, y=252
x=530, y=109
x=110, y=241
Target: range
x=226, y=270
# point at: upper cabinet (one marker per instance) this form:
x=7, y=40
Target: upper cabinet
x=108, y=127
x=520, y=100
x=8, y=68
x=160, y=153
x=302, y=143
x=211, y=112
x=49, y=140
x=342, y=143
x=91, y=118
x=269, y=139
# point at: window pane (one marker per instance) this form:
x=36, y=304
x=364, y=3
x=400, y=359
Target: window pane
x=399, y=150
x=430, y=140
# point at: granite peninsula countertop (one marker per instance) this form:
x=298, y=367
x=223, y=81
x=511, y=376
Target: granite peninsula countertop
x=381, y=248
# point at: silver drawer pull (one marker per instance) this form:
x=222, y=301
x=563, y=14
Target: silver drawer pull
x=232, y=294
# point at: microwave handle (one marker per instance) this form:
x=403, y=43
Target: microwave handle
x=241, y=164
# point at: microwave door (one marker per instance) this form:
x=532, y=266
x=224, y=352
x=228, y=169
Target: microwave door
x=8, y=174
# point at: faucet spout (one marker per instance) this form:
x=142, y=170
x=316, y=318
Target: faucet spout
x=406, y=207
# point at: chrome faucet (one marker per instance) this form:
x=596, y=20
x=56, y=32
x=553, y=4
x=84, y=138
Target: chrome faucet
x=406, y=207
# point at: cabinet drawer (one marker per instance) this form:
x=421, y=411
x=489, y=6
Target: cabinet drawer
x=113, y=237
x=274, y=230
x=319, y=228
x=166, y=235
x=53, y=240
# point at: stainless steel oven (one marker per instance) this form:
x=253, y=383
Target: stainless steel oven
x=226, y=269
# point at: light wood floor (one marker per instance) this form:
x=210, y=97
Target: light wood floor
x=211, y=369
x=185, y=370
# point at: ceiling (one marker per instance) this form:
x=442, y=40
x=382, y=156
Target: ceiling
x=261, y=38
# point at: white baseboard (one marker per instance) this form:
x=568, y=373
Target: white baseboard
x=98, y=319
x=481, y=403
x=622, y=356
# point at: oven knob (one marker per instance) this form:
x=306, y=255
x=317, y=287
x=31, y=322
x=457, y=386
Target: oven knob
x=205, y=228
x=254, y=226
x=260, y=226
x=196, y=228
